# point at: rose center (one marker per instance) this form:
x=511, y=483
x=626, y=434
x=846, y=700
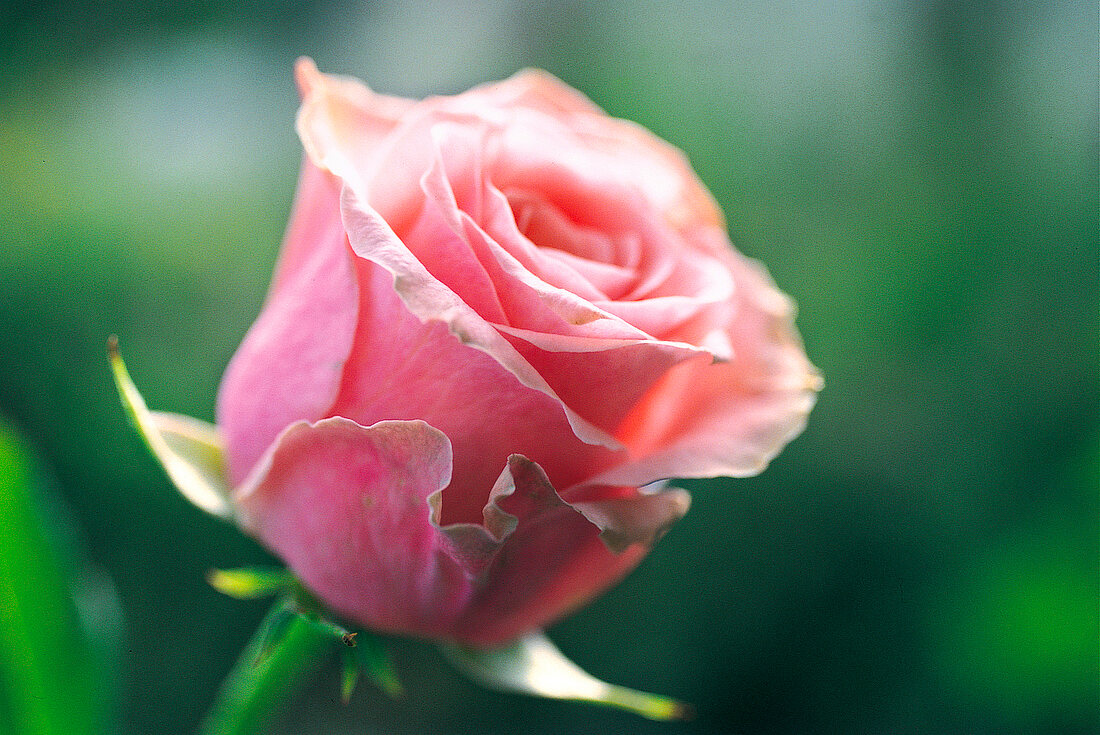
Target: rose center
x=547, y=226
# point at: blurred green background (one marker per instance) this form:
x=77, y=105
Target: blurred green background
x=921, y=177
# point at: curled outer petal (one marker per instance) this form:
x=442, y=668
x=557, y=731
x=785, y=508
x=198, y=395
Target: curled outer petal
x=354, y=510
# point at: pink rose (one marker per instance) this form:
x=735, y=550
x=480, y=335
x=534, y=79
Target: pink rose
x=497, y=319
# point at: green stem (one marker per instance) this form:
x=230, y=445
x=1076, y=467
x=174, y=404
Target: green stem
x=257, y=687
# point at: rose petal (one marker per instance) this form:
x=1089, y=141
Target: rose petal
x=555, y=330
x=289, y=366
x=437, y=241
x=355, y=512
x=635, y=516
x=372, y=238
x=610, y=157
x=545, y=156
x=681, y=319
x=559, y=268
x=602, y=386
x=315, y=215
x=725, y=419
x=526, y=300
x=345, y=506
x=341, y=121
x=546, y=558
x=547, y=316
x=661, y=170
x=403, y=368
x=606, y=280
x=532, y=88
x=536, y=225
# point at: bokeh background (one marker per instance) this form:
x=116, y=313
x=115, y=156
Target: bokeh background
x=921, y=177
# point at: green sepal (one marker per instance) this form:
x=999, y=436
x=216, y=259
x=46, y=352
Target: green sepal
x=275, y=629
x=362, y=651
x=375, y=661
x=329, y=628
x=350, y=673
x=533, y=665
x=189, y=450
x=366, y=651
x=250, y=583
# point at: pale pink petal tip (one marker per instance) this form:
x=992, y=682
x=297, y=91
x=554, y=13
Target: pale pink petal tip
x=306, y=76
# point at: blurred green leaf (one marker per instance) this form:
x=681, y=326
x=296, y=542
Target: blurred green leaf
x=1017, y=626
x=54, y=678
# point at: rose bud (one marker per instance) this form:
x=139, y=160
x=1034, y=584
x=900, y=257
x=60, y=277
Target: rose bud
x=499, y=322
